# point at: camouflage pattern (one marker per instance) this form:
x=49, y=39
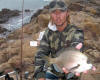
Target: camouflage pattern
x=52, y=42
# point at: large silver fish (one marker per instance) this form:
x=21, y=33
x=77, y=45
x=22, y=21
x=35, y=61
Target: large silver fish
x=70, y=58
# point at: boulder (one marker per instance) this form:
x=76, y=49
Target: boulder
x=2, y=40
x=5, y=14
x=36, y=14
x=43, y=20
x=27, y=10
x=76, y=7
x=2, y=30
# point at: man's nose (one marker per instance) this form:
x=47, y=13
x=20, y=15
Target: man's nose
x=57, y=15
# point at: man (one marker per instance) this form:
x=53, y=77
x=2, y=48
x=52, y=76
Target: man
x=58, y=35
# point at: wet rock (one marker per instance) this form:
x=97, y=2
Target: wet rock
x=27, y=10
x=5, y=14
x=10, y=13
x=3, y=19
x=2, y=30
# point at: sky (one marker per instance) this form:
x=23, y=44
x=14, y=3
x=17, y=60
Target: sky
x=28, y=4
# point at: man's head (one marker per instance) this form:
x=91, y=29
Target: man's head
x=59, y=12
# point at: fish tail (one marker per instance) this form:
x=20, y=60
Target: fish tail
x=47, y=60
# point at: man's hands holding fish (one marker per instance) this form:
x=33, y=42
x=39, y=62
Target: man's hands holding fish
x=79, y=46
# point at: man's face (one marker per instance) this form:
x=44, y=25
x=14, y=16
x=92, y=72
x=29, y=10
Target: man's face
x=59, y=17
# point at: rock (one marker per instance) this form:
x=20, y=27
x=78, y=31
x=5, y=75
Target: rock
x=3, y=45
x=32, y=28
x=46, y=7
x=87, y=77
x=10, y=13
x=98, y=12
x=97, y=2
x=95, y=11
x=36, y=14
x=93, y=28
x=3, y=19
x=2, y=30
x=27, y=10
x=4, y=67
x=43, y=20
x=2, y=40
x=14, y=35
x=45, y=11
x=5, y=14
x=76, y=7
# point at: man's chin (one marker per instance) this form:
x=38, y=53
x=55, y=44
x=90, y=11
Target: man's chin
x=58, y=24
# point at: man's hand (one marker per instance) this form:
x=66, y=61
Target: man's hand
x=42, y=79
x=66, y=71
x=79, y=46
x=77, y=74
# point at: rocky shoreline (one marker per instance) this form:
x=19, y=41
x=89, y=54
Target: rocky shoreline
x=85, y=16
x=2, y=30
x=5, y=14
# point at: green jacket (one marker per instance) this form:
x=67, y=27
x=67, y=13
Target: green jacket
x=52, y=42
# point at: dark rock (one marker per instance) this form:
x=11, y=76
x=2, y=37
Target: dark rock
x=98, y=12
x=27, y=10
x=3, y=19
x=96, y=2
x=3, y=30
x=5, y=10
x=1, y=73
x=5, y=14
x=46, y=7
x=36, y=14
x=7, y=77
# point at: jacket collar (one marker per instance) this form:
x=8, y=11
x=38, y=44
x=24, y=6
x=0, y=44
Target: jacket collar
x=52, y=26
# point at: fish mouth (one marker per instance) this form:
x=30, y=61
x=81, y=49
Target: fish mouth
x=73, y=68
x=83, y=68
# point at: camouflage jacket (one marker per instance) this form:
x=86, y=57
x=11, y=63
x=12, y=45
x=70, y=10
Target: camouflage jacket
x=52, y=42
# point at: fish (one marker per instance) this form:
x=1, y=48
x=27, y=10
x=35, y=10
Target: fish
x=71, y=59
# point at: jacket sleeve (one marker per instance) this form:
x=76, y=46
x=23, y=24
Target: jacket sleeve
x=78, y=38
x=43, y=49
